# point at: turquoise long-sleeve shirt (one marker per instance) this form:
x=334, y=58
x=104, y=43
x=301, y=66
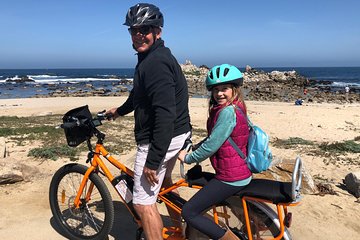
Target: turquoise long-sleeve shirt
x=224, y=126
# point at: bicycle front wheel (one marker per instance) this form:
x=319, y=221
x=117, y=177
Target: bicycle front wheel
x=263, y=220
x=94, y=217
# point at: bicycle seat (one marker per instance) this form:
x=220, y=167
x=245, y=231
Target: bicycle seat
x=274, y=191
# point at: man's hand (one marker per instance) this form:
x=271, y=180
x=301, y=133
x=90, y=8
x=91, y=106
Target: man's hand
x=151, y=176
x=182, y=154
x=113, y=113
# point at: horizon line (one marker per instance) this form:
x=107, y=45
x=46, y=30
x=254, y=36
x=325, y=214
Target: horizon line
x=181, y=64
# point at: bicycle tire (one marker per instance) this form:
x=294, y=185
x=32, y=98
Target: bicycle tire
x=94, y=218
x=264, y=221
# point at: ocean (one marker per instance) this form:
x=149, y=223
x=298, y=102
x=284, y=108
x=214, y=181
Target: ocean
x=45, y=81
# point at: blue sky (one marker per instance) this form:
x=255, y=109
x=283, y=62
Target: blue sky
x=268, y=33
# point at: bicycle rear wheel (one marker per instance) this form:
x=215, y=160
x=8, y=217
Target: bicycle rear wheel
x=94, y=218
x=264, y=221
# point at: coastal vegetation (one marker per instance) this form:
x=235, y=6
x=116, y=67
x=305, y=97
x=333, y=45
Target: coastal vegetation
x=343, y=152
x=51, y=142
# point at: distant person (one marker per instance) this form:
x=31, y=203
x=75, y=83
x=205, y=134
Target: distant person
x=227, y=118
x=298, y=102
x=347, y=90
x=305, y=92
x=162, y=124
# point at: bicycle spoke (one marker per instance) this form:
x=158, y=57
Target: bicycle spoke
x=84, y=220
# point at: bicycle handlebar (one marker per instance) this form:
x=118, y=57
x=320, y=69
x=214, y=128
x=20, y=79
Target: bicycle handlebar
x=69, y=124
x=100, y=116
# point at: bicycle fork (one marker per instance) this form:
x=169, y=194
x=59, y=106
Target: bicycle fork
x=77, y=200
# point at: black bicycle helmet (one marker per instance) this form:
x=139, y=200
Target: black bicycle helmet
x=144, y=14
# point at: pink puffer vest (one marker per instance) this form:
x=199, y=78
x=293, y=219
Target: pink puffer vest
x=228, y=165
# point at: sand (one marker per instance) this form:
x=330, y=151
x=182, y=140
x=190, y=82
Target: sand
x=24, y=207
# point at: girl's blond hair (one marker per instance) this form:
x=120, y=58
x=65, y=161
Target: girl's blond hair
x=237, y=94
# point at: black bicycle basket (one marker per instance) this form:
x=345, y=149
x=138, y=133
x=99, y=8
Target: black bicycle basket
x=83, y=130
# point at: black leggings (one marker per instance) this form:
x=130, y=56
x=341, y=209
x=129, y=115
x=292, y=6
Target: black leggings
x=213, y=193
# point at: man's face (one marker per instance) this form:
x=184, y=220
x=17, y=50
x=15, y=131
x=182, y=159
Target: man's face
x=143, y=37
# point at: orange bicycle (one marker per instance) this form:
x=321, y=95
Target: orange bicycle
x=82, y=205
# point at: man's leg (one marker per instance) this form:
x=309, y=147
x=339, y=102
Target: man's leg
x=144, y=197
x=144, y=194
x=150, y=220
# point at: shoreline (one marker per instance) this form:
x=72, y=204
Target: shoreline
x=274, y=84
x=50, y=105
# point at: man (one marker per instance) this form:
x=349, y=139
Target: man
x=160, y=100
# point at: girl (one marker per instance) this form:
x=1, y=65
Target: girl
x=231, y=171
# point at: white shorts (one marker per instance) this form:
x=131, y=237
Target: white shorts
x=144, y=193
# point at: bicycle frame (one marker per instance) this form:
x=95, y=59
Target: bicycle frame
x=97, y=162
x=282, y=213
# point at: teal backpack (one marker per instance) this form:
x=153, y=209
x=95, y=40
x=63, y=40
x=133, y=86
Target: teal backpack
x=259, y=153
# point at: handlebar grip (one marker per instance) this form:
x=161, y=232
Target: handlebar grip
x=102, y=115
x=187, y=146
x=109, y=116
x=182, y=169
x=68, y=125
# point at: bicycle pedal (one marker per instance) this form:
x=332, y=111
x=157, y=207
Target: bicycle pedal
x=173, y=233
x=174, y=236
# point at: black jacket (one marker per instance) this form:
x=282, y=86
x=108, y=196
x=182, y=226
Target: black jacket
x=160, y=100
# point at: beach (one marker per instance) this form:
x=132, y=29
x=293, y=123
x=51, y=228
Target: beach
x=24, y=206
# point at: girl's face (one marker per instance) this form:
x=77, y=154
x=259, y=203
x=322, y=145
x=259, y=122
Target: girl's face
x=223, y=93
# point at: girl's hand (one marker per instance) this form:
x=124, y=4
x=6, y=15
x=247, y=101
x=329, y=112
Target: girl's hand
x=181, y=156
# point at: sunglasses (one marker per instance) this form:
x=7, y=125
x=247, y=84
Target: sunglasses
x=144, y=30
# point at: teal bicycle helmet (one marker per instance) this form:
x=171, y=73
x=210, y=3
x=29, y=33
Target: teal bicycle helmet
x=223, y=74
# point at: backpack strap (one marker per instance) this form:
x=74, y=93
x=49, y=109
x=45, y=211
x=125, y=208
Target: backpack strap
x=246, y=117
x=233, y=144
x=231, y=141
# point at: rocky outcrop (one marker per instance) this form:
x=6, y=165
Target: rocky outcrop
x=88, y=91
x=11, y=170
x=195, y=77
x=10, y=173
x=287, y=86
x=20, y=79
x=3, y=151
x=352, y=182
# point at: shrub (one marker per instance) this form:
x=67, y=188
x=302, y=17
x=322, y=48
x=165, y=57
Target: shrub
x=53, y=152
x=339, y=147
